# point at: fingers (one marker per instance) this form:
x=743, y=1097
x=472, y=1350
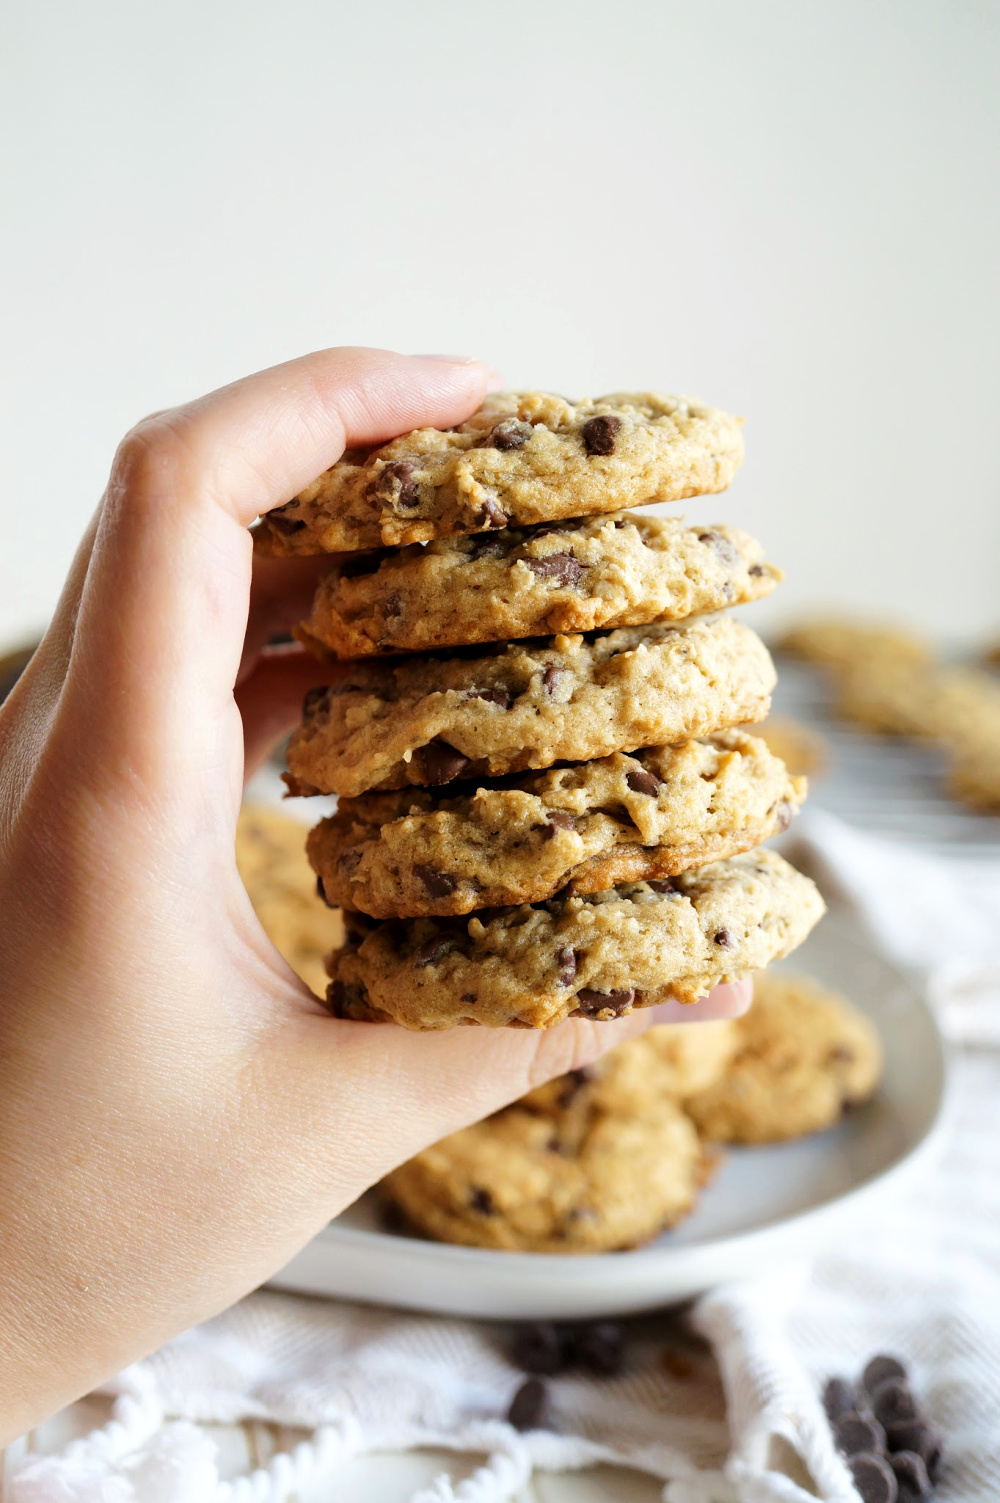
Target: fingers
x=730, y=1000
x=281, y=593
x=270, y=699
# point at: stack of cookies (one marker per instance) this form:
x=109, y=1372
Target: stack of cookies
x=546, y=807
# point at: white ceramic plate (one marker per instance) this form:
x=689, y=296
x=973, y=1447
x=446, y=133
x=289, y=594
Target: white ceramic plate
x=764, y=1206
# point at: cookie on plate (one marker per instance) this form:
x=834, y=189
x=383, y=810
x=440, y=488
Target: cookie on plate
x=621, y=818
x=485, y=713
x=802, y=749
x=836, y=641
x=554, y=1182
x=524, y=457
x=597, y=955
x=620, y=570
x=271, y=861
x=804, y=1055
x=898, y=697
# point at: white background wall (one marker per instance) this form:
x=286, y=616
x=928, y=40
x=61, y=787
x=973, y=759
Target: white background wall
x=786, y=207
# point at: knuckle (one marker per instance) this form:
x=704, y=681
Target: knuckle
x=152, y=454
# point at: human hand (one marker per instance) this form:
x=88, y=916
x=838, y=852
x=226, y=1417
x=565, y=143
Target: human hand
x=178, y=1114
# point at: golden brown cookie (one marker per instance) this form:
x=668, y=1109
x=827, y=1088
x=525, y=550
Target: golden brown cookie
x=833, y=641
x=802, y=749
x=271, y=859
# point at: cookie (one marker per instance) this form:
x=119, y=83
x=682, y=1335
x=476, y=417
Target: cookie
x=271, y=861
x=622, y=570
x=833, y=641
x=527, y=1181
x=586, y=827
x=803, y=1056
x=485, y=713
x=524, y=457
x=899, y=697
x=802, y=749
x=597, y=955
x=973, y=745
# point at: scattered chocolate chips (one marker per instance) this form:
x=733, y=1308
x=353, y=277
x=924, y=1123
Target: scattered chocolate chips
x=500, y=696
x=314, y=701
x=282, y=522
x=491, y=514
x=874, y=1479
x=912, y=1478
x=855, y=1433
x=509, y=434
x=538, y=1348
x=550, y=679
x=567, y=965
x=641, y=780
x=438, y=884
x=599, y=434
x=482, y=1201
x=839, y=1398
x=879, y=1368
x=590, y=1002
x=723, y=938
x=433, y=951
x=395, y=482
x=561, y=568
x=439, y=763
x=893, y=1402
x=600, y=1348
x=529, y=1406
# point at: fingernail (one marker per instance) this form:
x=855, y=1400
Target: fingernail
x=449, y=359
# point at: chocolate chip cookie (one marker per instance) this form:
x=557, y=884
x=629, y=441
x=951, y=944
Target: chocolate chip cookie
x=524, y=457
x=803, y=1056
x=621, y=570
x=596, y=955
x=485, y=713
x=554, y=1182
x=597, y=824
x=834, y=641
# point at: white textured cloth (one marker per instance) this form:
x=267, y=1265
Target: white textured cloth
x=736, y=1421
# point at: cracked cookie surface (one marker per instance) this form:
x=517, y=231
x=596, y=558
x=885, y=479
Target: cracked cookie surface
x=608, y=571
x=597, y=955
x=524, y=457
x=428, y=720
x=590, y=826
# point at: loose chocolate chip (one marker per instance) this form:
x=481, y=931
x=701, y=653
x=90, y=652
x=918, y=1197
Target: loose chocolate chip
x=912, y=1477
x=439, y=763
x=563, y=568
x=854, y=1433
x=599, y=434
x=433, y=951
x=916, y=1435
x=721, y=545
x=641, y=780
x=838, y=1398
x=282, y=522
x=482, y=1201
x=491, y=514
x=550, y=679
x=893, y=1402
x=502, y=697
x=600, y=1348
x=538, y=1348
x=395, y=482
x=661, y=884
x=874, y=1479
x=756, y=570
x=438, y=884
x=509, y=434
x=879, y=1368
x=314, y=702
x=529, y=1406
x=567, y=965
x=723, y=938
x=558, y=819
x=591, y=1002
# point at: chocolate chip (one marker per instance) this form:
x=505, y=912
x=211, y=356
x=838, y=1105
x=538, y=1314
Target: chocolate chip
x=916, y=1435
x=661, y=884
x=641, y=780
x=469, y=997
x=491, y=514
x=283, y=523
x=756, y=570
x=438, y=884
x=723, y=938
x=395, y=482
x=912, y=1477
x=838, y=1398
x=433, y=951
x=599, y=434
x=313, y=702
x=572, y=1083
x=567, y=965
x=482, y=1201
x=600, y=1348
x=721, y=545
x=590, y=1002
x=874, y=1479
x=343, y=999
x=556, y=819
x=783, y=815
x=502, y=697
x=840, y=1054
x=439, y=763
x=550, y=679
x=486, y=548
x=509, y=434
x=893, y=1402
x=538, y=1348
x=529, y=1406
x=879, y=1368
x=855, y=1433
x=563, y=568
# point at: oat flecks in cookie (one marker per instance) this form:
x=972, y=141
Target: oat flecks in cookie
x=426, y=721
x=621, y=570
x=622, y=818
x=631, y=946
x=803, y=1056
x=522, y=458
